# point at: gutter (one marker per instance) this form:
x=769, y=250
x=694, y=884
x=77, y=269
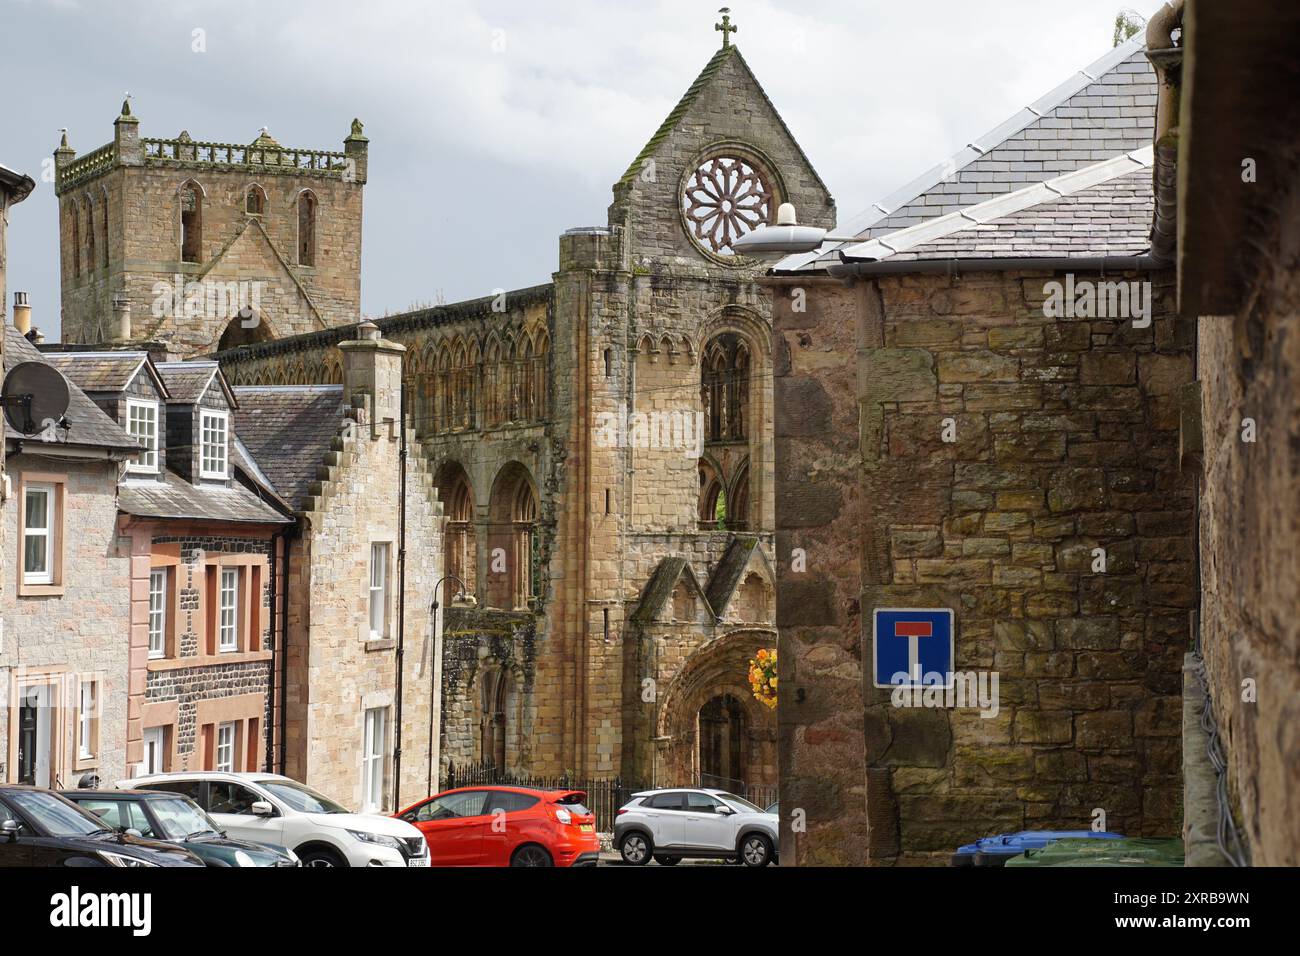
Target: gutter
x=276, y=540
x=848, y=270
x=401, y=595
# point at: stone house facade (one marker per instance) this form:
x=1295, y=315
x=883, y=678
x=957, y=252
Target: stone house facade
x=200, y=246
x=602, y=445
x=200, y=592
x=64, y=661
x=360, y=678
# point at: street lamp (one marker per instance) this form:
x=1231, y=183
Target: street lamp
x=462, y=599
x=786, y=238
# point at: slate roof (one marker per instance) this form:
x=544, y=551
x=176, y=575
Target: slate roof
x=91, y=428
x=1101, y=210
x=101, y=371
x=287, y=430
x=1103, y=110
x=174, y=497
x=660, y=588
x=726, y=576
x=186, y=381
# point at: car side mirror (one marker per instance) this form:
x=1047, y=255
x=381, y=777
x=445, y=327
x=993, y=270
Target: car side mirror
x=725, y=810
x=262, y=808
x=132, y=831
x=408, y=817
x=10, y=829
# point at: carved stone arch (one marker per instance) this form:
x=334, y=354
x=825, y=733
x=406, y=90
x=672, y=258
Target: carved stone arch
x=190, y=199
x=496, y=688
x=255, y=199
x=513, y=542
x=307, y=207
x=716, y=669
x=456, y=492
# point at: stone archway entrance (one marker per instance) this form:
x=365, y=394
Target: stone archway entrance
x=710, y=730
x=722, y=742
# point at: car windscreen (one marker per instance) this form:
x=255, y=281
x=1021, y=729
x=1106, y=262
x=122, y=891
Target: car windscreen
x=299, y=797
x=740, y=802
x=54, y=815
x=179, y=818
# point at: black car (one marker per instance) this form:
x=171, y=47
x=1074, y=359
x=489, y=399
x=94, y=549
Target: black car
x=40, y=828
x=177, y=819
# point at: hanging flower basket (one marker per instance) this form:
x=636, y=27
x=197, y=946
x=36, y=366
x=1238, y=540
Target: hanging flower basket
x=762, y=677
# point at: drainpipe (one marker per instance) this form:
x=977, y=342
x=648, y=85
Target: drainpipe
x=270, y=671
x=284, y=655
x=401, y=595
x=1167, y=59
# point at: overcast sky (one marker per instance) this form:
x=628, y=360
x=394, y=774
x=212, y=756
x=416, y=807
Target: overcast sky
x=494, y=126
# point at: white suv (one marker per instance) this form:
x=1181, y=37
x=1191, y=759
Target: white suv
x=269, y=808
x=672, y=824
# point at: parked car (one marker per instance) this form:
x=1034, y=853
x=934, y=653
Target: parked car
x=507, y=826
x=671, y=825
x=40, y=828
x=159, y=815
x=269, y=808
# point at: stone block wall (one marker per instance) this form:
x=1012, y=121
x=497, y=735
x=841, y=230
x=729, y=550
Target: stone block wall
x=1249, y=368
x=336, y=672
x=1065, y=440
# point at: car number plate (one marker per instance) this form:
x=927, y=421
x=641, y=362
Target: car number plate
x=418, y=861
x=586, y=828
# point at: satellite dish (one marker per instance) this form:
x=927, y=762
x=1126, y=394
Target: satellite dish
x=34, y=393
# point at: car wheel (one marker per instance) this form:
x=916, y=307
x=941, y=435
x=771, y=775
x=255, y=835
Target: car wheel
x=635, y=849
x=321, y=857
x=756, y=850
x=668, y=860
x=531, y=855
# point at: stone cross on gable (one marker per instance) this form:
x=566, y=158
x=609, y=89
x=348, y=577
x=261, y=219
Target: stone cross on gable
x=725, y=27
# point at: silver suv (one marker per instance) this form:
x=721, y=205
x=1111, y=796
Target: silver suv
x=671, y=825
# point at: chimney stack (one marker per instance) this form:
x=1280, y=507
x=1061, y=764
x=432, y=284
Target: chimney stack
x=122, y=312
x=22, y=313
x=372, y=367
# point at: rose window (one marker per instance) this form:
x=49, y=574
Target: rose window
x=725, y=198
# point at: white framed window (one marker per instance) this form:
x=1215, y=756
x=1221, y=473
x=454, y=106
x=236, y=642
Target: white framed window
x=379, y=551
x=213, y=428
x=154, y=740
x=88, y=700
x=372, y=758
x=225, y=747
x=142, y=422
x=228, y=611
x=39, y=502
x=157, y=613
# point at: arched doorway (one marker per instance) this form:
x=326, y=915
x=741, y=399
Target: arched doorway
x=722, y=743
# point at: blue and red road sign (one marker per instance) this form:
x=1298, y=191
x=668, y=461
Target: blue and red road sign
x=913, y=646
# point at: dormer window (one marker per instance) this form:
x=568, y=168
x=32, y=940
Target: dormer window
x=213, y=430
x=142, y=423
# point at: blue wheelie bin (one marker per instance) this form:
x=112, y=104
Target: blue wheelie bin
x=996, y=850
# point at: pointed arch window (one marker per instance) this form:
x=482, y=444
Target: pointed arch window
x=103, y=225
x=306, y=229
x=724, y=387
x=75, y=216
x=90, y=234
x=461, y=543
x=191, y=224
x=255, y=201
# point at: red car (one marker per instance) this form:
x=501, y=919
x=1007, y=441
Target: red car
x=506, y=826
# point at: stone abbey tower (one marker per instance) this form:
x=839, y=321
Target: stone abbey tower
x=199, y=246
x=604, y=454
